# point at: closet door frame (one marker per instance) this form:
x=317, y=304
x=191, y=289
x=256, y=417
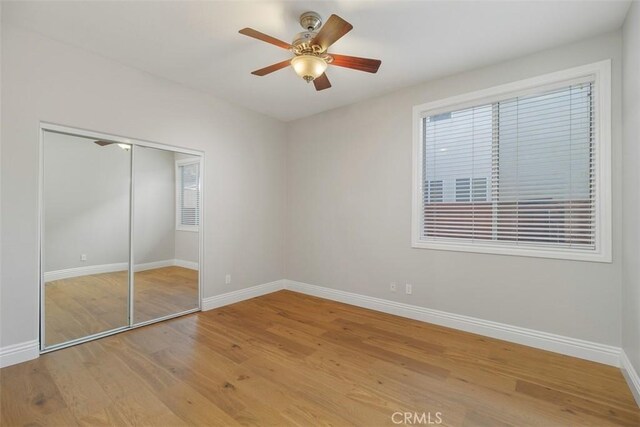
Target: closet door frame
x=67, y=130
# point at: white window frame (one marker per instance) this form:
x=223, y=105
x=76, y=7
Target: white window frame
x=600, y=74
x=180, y=163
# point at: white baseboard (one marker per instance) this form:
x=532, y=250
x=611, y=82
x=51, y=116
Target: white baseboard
x=67, y=273
x=151, y=265
x=110, y=268
x=631, y=375
x=582, y=349
x=185, y=264
x=18, y=353
x=596, y=352
x=241, y=295
x=543, y=340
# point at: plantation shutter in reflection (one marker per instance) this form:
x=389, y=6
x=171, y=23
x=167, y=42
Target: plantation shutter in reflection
x=519, y=171
x=189, y=194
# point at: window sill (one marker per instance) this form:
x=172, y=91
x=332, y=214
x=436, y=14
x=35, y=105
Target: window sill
x=552, y=253
x=193, y=229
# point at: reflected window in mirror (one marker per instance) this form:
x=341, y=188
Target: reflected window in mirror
x=187, y=194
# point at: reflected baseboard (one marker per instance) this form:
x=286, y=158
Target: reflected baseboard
x=153, y=265
x=185, y=264
x=68, y=273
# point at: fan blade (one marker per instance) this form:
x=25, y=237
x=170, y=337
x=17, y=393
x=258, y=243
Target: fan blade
x=265, y=38
x=322, y=82
x=271, y=68
x=331, y=32
x=353, y=62
x=103, y=143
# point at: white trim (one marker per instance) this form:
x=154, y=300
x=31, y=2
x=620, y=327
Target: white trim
x=600, y=72
x=155, y=264
x=185, y=264
x=200, y=267
x=631, y=375
x=187, y=228
x=131, y=286
x=18, y=353
x=67, y=273
x=242, y=294
x=120, y=266
x=73, y=131
x=582, y=349
x=588, y=350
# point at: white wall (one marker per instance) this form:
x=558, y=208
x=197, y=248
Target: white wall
x=349, y=214
x=244, y=175
x=631, y=186
x=86, y=193
x=86, y=202
x=155, y=206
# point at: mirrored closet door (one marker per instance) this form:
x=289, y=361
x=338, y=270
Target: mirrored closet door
x=85, y=243
x=120, y=235
x=166, y=243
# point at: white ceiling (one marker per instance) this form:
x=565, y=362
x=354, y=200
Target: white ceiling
x=197, y=43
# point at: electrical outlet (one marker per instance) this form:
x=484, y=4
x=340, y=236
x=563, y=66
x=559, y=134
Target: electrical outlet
x=83, y=257
x=392, y=287
x=409, y=290
x=227, y=279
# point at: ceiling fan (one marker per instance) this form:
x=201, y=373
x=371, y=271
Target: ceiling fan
x=104, y=143
x=310, y=49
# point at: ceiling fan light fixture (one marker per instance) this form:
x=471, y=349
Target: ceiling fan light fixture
x=310, y=50
x=309, y=67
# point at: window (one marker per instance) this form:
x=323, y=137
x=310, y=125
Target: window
x=479, y=190
x=523, y=169
x=187, y=194
x=463, y=189
x=434, y=189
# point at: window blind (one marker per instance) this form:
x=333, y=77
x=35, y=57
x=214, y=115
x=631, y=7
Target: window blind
x=189, y=194
x=520, y=171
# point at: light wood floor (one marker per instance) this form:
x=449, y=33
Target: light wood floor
x=86, y=305
x=290, y=359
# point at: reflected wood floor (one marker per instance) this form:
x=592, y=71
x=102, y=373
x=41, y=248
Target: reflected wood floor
x=86, y=305
x=291, y=359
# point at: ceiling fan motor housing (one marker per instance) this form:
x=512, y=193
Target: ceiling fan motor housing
x=310, y=21
x=302, y=42
x=310, y=47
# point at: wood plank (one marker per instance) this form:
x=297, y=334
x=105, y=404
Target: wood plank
x=80, y=306
x=292, y=359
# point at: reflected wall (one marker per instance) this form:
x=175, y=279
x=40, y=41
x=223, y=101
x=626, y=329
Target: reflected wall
x=120, y=236
x=166, y=253
x=86, y=204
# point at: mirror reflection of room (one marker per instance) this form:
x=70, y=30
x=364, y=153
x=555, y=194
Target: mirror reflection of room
x=88, y=243
x=86, y=236
x=166, y=233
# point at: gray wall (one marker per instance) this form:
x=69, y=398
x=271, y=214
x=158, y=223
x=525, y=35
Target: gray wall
x=155, y=208
x=245, y=154
x=86, y=193
x=349, y=214
x=86, y=201
x=631, y=186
